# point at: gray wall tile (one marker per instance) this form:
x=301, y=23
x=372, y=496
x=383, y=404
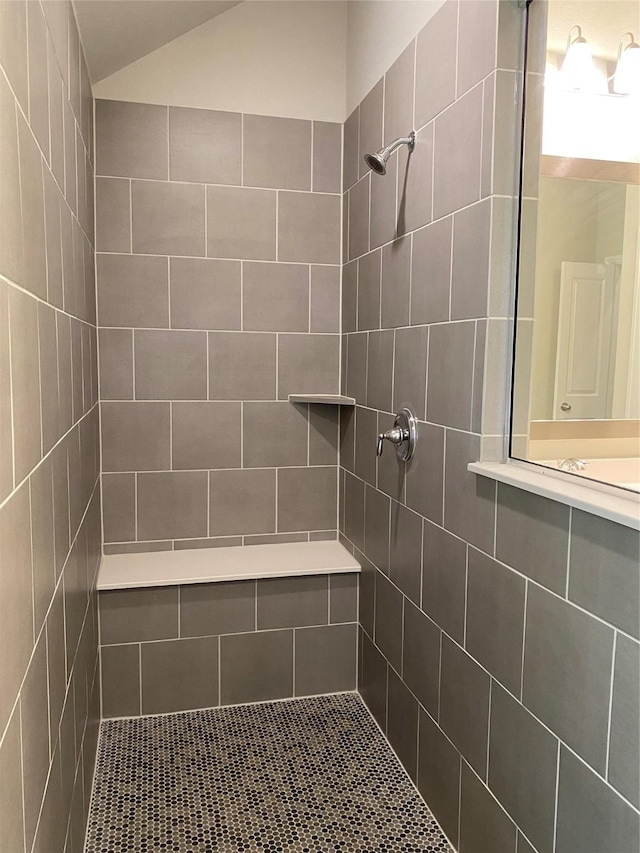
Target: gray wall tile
x=388, y=620
x=365, y=443
x=370, y=129
x=409, y=369
x=308, y=364
x=402, y=723
x=421, y=657
x=274, y=434
x=396, y=283
x=205, y=435
x=603, y=570
x=275, y=297
x=116, y=364
x=133, y=291
x=323, y=434
x=241, y=223
x=568, y=692
x=217, y=608
x=469, y=505
x=256, y=667
x=436, y=63
x=307, y=498
x=444, y=580
x=205, y=294
x=470, y=272
x=405, y=552
x=135, y=436
x=522, y=767
x=372, y=681
x=168, y=218
x=172, y=505
x=131, y=140
x=11, y=804
x=380, y=370
x=242, y=366
x=325, y=299
x=477, y=27
x=179, y=675
x=25, y=376
x=135, y=615
x=382, y=217
x=356, y=358
x=449, y=392
x=265, y=139
x=431, y=273
x=398, y=95
x=325, y=659
x=590, y=815
x=425, y=472
x=483, y=824
x=119, y=507
x=495, y=618
x=343, y=598
x=351, y=158
x=354, y=510
x=242, y=502
x=376, y=531
x=292, y=602
x=458, y=133
x=624, y=758
x=439, y=775
x=35, y=733
x=359, y=218
x=308, y=228
x=204, y=146
x=113, y=215
x=464, y=704
x=170, y=365
x=120, y=671
x=369, y=277
x=327, y=150
x=532, y=536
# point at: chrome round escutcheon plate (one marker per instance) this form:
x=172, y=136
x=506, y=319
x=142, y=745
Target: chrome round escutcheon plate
x=406, y=421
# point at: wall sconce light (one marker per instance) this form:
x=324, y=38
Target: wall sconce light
x=578, y=71
x=626, y=80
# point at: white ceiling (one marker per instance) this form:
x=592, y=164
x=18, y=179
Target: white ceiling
x=117, y=32
x=602, y=22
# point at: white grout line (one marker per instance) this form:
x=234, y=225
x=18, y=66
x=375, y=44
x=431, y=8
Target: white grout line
x=610, y=714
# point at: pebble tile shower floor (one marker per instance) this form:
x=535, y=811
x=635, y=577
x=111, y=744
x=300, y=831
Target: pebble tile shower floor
x=306, y=775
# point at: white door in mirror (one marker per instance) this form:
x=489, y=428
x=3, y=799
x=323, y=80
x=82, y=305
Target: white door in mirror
x=586, y=335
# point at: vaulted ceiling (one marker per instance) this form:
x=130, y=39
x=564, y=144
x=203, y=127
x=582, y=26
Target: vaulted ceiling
x=117, y=32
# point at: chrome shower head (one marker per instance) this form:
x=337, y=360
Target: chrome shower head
x=378, y=162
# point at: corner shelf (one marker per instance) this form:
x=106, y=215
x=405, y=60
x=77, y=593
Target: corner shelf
x=327, y=399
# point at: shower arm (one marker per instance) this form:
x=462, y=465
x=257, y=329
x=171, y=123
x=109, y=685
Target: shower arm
x=410, y=141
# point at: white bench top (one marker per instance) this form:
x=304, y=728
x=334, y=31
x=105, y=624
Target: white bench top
x=211, y=565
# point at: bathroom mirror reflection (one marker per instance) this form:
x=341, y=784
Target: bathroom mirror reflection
x=576, y=399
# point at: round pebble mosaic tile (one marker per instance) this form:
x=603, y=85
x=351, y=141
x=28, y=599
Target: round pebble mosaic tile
x=301, y=776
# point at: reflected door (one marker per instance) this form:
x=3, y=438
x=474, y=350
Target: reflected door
x=585, y=338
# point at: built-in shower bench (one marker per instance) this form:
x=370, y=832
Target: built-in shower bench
x=181, y=630
x=212, y=565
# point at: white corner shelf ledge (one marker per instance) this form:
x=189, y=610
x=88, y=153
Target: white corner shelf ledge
x=213, y=565
x=327, y=399
x=595, y=498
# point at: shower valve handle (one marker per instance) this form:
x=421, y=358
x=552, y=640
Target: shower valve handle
x=403, y=435
x=396, y=436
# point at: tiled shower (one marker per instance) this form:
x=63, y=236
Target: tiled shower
x=466, y=676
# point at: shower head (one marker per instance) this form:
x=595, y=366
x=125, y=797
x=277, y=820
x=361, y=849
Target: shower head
x=378, y=162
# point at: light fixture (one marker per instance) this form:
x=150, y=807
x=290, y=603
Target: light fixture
x=578, y=73
x=626, y=80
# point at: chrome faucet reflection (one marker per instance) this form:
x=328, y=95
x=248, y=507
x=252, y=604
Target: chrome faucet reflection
x=572, y=465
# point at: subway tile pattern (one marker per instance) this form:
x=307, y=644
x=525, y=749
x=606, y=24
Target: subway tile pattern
x=182, y=648
x=310, y=774
x=498, y=628
x=50, y=515
x=218, y=273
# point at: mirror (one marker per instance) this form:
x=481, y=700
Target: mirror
x=576, y=394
